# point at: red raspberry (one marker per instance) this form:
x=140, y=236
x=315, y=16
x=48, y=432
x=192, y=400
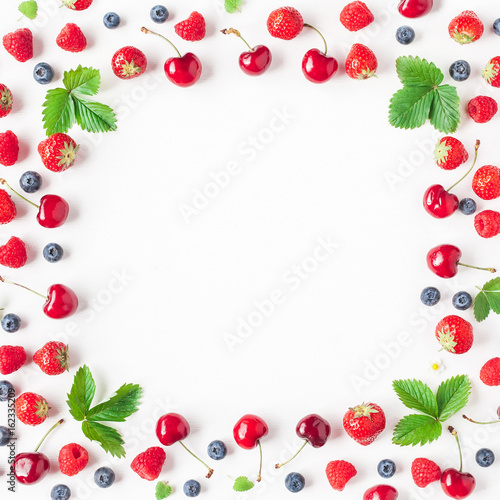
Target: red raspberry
x=72, y=459
x=7, y=207
x=19, y=44
x=482, y=108
x=52, y=358
x=193, y=28
x=149, y=463
x=9, y=148
x=31, y=408
x=71, y=38
x=450, y=153
x=356, y=16
x=339, y=472
x=285, y=23
x=5, y=100
x=486, y=182
x=425, y=472
x=11, y=359
x=13, y=253
x=490, y=372
x=487, y=223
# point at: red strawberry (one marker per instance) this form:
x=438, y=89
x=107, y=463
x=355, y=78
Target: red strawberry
x=455, y=334
x=72, y=459
x=450, y=153
x=364, y=423
x=361, y=62
x=193, y=28
x=7, y=207
x=339, y=472
x=13, y=253
x=5, y=100
x=31, y=408
x=19, y=44
x=71, y=38
x=11, y=359
x=128, y=62
x=425, y=472
x=466, y=27
x=356, y=16
x=486, y=182
x=285, y=23
x=58, y=152
x=482, y=108
x=492, y=72
x=52, y=358
x=149, y=463
x=490, y=372
x=77, y=4
x=9, y=148
x=487, y=223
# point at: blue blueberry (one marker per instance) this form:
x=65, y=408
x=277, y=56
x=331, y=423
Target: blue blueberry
x=485, y=457
x=460, y=70
x=217, y=450
x=11, y=323
x=111, y=20
x=4, y=435
x=60, y=492
x=104, y=477
x=6, y=390
x=405, y=35
x=43, y=73
x=159, y=14
x=467, y=206
x=496, y=26
x=430, y=296
x=192, y=488
x=30, y=181
x=386, y=468
x=295, y=482
x=53, y=252
x=462, y=301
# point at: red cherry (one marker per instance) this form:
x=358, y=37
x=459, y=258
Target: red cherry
x=317, y=67
x=183, y=71
x=53, y=211
x=314, y=429
x=249, y=430
x=255, y=61
x=171, y=428
x=61, y=302
x=381, y=492
x=415, y=8
x=439, y=203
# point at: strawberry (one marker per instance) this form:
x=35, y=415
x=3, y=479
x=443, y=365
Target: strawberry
x=5, y=100
x=192, y=29
x=31, y=408
x=490, y=372
x=285, y=23
x=11, y=359
x=71, y=38
x=7, y=207
x=361, y=62
x=9, y=148
x=486, y=182
x=492, y=72
x=149, y=463
x=364, y=423
x=487, y=223
x=52, y=358
x=450, y=153
x=356, y=16
x=72, y=459
x=13, y=253
x=19, y=44
x=77, y=4
x=128, y=62
x=455, y=334
x=339, y=472
x=466, y=27
x=58, y=152
x=425, y=472
x=482, y=108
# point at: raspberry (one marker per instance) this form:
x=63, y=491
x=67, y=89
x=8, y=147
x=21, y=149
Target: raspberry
x=285, y=23
x=72, y=459
x=487, y=223
x=7, y=207
x=11, y=359
x=193, y=28
x=19, y=44
x=486, y=182
x=339, y=472
x=149, y=463
x=13, y=253
x=9, y=148
x=482, y=108
x=490, y=372
x=425, y=472
x=71, y=38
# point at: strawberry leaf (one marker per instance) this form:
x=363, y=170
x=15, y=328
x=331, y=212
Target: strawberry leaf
x=123, y=404
x=82, y=393
x=452, y=396
x=94, y=116
x=28, y=9
x=242, y=483
x=58, y=111
x=481, y=307
x=410, y=107
x=416, y=429
x=109, y=438
x=416, y=395
x=81, y=80
x=413, y=71
x=232, y=6
x=163, y=490
x=445, y=112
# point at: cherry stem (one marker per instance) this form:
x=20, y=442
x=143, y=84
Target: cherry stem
x=3, y=181
x=289, y=460
x=489, y=269
x=3, y=280
x=48, y=432
x=319, y=33
x=480, y=423
x=455, y=434
x=476, y=147
x=145, y=30
x=210, y=471
x=259, y=475
x=232, y=31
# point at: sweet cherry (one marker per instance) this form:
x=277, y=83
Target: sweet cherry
x=415, y=8
x=381, y=492
x=316, y=65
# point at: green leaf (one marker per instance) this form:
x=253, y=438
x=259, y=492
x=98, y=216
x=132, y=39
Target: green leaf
x=81, y=80
x=416, y=429
x=58, y=111
x=94, y=116
x=413, y=71
x=163, y=490
x=452, y=396
x=416, y=395
x=232, y=6
x=492, y=292
x=109, y=438
x=123, y=404
x=445, y=109
x=82, y=393
x=410, y=107
x=28, y=9
x=242, y=483
x=481, y=307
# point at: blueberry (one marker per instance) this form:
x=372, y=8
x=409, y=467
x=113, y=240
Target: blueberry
x=485, y=457
x=6, y=390
x=192, y=488
x=405, y=35
x=217, y=450
x=4, y=435
x=467, y=206
x=496, y=26
x=462, y=301
x=295, y=482
x=111, y=20
x=30, y=181
x=460, y=70
x=104, y=477
x=430, y=296
x=53, y=252
x=43, y=73
x=159, y=14
x=11, y=323
x=386, y=468
x=60, y=492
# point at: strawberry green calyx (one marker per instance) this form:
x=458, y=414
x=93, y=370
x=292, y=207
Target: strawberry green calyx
x=492, y=70
x=363, y=410
x=68, y=3
x=42, y=408
x=67, y=156
x=464, y=38
x=130, y=69
x=5, y=99
x=447, y=340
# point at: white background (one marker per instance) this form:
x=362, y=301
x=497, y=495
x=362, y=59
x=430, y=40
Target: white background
x=336, y=171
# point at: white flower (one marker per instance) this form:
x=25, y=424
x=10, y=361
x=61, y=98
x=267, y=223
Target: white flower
x=436, y=366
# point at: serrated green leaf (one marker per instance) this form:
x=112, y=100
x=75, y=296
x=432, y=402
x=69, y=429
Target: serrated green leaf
x=452, y=396
x=416, y=429
x=416, y=395
x=410, y=107
x=123, y=404
x=81, y=80
x=492, y=285
x=481, y=307
x=109, y=438
x=232, y=6
x=29, y=9
x=94, y=116
x=445, y=109
x=82, y=393
x=413, y=71
x=242, y=483
x=163, y=490
x=58, y=111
